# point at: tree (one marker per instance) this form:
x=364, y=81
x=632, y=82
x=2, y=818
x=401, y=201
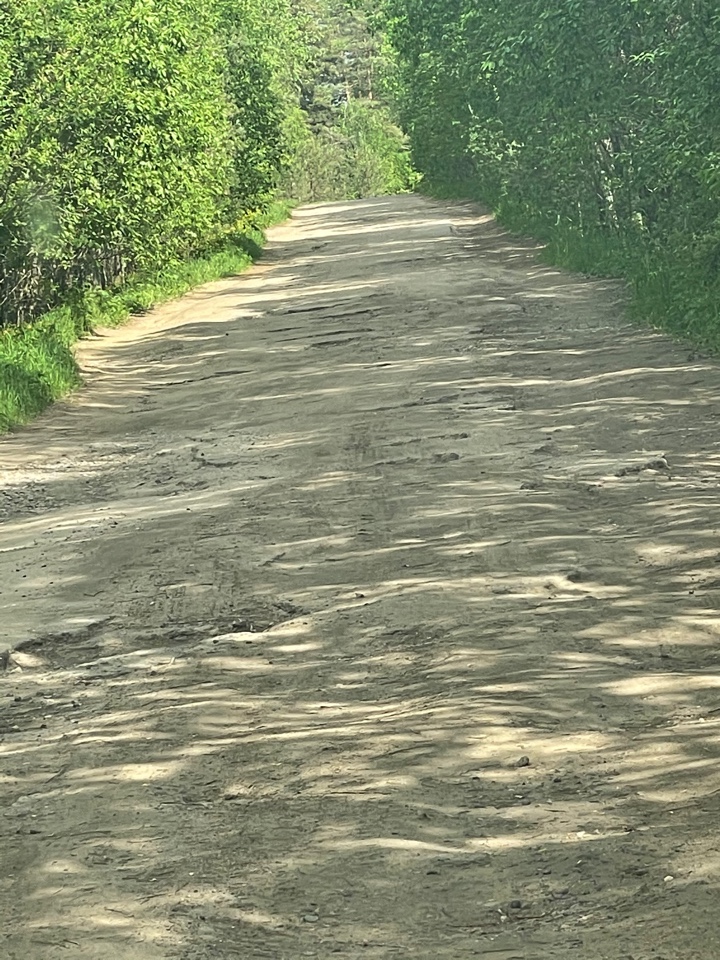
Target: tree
x=596, y=127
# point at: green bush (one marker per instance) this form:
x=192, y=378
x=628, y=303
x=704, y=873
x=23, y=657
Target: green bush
x=594, y=127
x=131, y=134
x=364, y=155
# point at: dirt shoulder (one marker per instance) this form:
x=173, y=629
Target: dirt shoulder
x=367, y=605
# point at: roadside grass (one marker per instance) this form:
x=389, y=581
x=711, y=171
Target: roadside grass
x=37, y=365
x=675, y=290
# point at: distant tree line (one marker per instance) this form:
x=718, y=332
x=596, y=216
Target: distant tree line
x=353, y=145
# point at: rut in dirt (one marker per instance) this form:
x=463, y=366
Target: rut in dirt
x=366, y=605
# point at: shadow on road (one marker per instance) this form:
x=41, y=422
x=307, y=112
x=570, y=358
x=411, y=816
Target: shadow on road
x=378, y=618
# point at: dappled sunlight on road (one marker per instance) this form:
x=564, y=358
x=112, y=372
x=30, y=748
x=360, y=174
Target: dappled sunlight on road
x=385, y=574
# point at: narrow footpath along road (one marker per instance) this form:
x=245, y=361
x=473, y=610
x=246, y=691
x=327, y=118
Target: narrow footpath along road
x=367, y=605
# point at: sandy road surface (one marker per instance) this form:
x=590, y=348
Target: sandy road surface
x=357, y=615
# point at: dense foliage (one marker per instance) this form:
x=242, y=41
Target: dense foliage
x=597, y=126
x=136, y=133
x=131, y=134
x=350, y=145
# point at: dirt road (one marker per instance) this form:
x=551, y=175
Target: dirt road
x=367, y=606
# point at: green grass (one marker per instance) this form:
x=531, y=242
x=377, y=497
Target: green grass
x=37, y=365
x=672, y=289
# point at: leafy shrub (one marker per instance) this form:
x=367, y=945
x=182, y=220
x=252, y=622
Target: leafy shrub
x=595, y=127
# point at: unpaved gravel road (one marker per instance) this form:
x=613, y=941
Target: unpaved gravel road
x=367, y=606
